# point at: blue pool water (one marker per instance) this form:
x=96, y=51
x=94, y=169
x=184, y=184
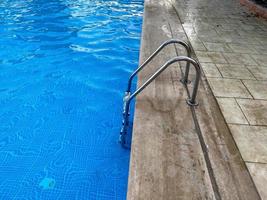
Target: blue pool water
x=63, y=69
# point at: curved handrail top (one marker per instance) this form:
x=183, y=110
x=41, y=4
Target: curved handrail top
x=163, y=67
x=166, y=43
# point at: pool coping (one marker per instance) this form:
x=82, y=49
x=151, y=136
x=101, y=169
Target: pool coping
x=201, y=115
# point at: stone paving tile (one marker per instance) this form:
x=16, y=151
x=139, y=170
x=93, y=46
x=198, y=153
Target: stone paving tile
x=211, y=70
x=235, y=71
x=231, y=33
x=229, y=26
x=259, y=72
x=258, y=89
x=222, y=87
x=260, y=49
x=213, y=46
x=203, y=57
x=198, y=46
x=247, y=33
x=260, y=59
x=254, y=110
x=214, y=57
x=237, y=58
x=204, y=26
x=241, y=41
x=256, y=34
x=242, y=48
x=258, y=172
x=262, y=40
x=206, y=32
x=207, y=38
x=251, y=142
x=231, y=111
x=250, y=27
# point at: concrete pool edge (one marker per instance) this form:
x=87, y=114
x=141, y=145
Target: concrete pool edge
x=229, y=171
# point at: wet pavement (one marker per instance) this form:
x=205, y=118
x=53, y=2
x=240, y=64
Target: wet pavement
x=231, y=45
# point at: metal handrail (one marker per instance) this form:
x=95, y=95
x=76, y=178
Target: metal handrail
x=128, y=96
x=171, y=41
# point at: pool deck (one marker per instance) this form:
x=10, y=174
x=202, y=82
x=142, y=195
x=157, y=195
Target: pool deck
x=183, y=152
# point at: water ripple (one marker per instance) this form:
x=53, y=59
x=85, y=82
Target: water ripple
x=63, y=67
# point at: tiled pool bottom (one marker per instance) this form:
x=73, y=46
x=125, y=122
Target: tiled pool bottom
x=63, y=69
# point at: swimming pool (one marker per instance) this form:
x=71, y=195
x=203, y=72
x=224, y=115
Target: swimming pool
x=64, y=66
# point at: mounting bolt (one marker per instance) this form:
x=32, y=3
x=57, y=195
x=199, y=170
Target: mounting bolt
x=190, y=103
x=185, y=81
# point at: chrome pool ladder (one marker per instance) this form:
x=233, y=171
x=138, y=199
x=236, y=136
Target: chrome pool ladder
x=128, y=97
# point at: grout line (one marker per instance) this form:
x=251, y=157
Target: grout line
x=252, y=125
x=218, y=70
x=235, y=78
x=242, y=111
x=231, y=123
x=247, y=88
x=253, y=162
x=246, y=98
x=251, y=72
